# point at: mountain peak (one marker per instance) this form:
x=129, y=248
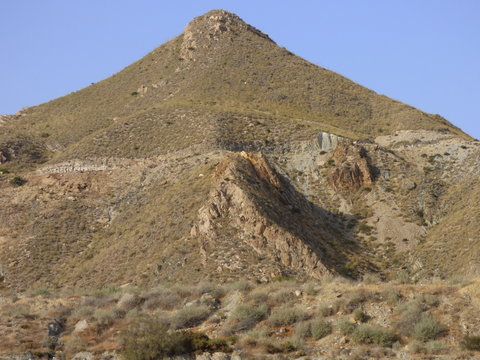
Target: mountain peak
x=216, y=23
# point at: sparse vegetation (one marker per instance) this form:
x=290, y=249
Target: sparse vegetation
x=427, y=328
x=163, y=194
x=256, y=324
x=189, y=316
x=470, y=342
x=244, y=317
x=151, y=339
x=286, y=316
x=367, y=334
x=18, y=181
x=316, y=329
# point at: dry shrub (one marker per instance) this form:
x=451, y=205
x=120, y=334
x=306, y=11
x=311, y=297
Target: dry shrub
x=470, y=342
x=164, y=299
x=367, y=334
x=129, y=301
x=242, y=285
x=282, y=296
x=151, y=339
x=316, y=329
x=215, y=290
x=391, y=295
x=427, y=328
x=287, y=316
x=190, y=316
x=259, y=296
x=360, y=316
x=106, y=318
x=245, y=317
x=409, y=315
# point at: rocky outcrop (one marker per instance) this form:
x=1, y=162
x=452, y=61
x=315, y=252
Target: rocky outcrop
x=266, y=213
x=212, y=27
x=76, y=165
x=8, y=152
x=327, y=141
x=351, y=169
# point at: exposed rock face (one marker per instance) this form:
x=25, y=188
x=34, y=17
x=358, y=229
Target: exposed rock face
x=205, y=30
x=216, y=22
x=327, y=141
x=351, y=168
x=8, y=152
x=256, y=201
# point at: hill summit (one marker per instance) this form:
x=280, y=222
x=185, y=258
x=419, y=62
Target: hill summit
x=221, y=155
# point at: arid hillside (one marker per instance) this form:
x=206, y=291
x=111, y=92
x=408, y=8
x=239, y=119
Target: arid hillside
x=221, y=156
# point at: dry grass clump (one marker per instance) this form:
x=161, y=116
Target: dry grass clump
x=391, y=295
x=287, y=315
x=106, y=318
x=129, y=301
x=346, y=327
x=310, y=288
x=408, y=315
x=315, y=329
x=282, y=297
x=368, y=334
x=244, y=317
x=184, y=291
x=215, y=290
x=164, y=299
x=189, y=316
x=242, y=285
x=360, y=316
x=74, y=345
x=355, y=300
x=149, y=338
x=279, y=346
x=259, y=295
x=427, y=328
x=327, y=310
x=470, y=342
x=431, y=347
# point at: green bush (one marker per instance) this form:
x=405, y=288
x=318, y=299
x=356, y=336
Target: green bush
x=190, y=316
x=18, y=181
x=360, y=316
x=286, y=316
x=427, y=328
x=150, y=339
x=366, y=334
x=470, y=343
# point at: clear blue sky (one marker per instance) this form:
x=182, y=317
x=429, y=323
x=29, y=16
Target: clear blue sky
x=422, y=52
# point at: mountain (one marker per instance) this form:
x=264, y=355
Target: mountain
x=221, y=155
